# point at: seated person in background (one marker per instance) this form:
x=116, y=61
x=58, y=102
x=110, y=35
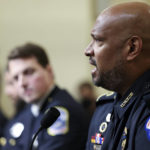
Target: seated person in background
x=34, y=79
x=3, y=121
x=87, y=97
x=12, y=93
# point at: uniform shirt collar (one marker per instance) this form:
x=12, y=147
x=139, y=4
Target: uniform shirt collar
x=35, y=108
x=141, y=85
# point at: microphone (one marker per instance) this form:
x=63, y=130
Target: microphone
x=50, y=116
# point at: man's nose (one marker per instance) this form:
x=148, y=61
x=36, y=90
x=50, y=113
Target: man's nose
x=89, y=51
x=22, y=81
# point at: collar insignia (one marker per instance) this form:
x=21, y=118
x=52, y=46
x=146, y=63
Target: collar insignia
x=127, y=100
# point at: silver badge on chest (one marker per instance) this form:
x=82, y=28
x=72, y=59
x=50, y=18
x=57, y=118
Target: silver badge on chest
x=17, y=129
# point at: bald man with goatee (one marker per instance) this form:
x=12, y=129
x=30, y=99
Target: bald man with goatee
x=120, y=54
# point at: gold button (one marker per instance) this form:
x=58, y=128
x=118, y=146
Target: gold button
x=3, y=141
x=12, y=142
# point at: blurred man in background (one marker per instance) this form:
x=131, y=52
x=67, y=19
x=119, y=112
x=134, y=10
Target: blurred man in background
x=87, y=97
x=34, y=78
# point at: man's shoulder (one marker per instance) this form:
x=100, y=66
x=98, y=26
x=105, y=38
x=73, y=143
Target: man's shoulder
x=102, y=114
x=62, y=97
x=59, y=93
x=106, y=98
x=20, y=117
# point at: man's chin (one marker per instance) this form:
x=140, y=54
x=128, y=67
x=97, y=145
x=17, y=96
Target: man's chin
x=29, y=100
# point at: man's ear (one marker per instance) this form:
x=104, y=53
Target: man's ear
x=134, y=47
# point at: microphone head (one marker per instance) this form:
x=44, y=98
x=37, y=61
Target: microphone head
x=50, y=116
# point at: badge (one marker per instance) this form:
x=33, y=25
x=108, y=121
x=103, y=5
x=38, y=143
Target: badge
x=93, y=139
x=124, y=103
x=103, y=127
x=108, y=117
x=97, y=139
x=96, y=147
x=17, y=129
x=61, y=126
x=35, y=110
x=125, y=131
x=124, y=138
x=123, y=144
x=147, y=128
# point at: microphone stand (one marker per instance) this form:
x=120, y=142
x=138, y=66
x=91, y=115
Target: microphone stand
x=34, y=137
x=49, y=118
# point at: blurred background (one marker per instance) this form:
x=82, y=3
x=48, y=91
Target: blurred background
x=62, y=27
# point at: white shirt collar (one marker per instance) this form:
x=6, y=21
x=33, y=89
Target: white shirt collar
x=35, y=108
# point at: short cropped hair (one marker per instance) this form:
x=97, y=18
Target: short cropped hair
x=30, y=50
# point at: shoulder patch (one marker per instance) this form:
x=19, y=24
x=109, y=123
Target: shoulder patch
x=147, y=128
x=106, y=97
x=61, y=126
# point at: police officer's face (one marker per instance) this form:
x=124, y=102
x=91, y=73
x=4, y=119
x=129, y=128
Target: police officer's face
x=105, y=52
x=31, y=78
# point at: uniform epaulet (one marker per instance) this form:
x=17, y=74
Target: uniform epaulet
x=105, y=98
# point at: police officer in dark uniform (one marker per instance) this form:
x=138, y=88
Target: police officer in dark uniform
x=34, y=78
x=3, y=121
x=120, y=52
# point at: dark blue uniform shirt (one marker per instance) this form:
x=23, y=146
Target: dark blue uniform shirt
x=69, y=132
x=3, y=122
x=123, y=123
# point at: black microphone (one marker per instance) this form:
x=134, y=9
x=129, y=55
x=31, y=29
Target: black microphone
x=50, y=116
